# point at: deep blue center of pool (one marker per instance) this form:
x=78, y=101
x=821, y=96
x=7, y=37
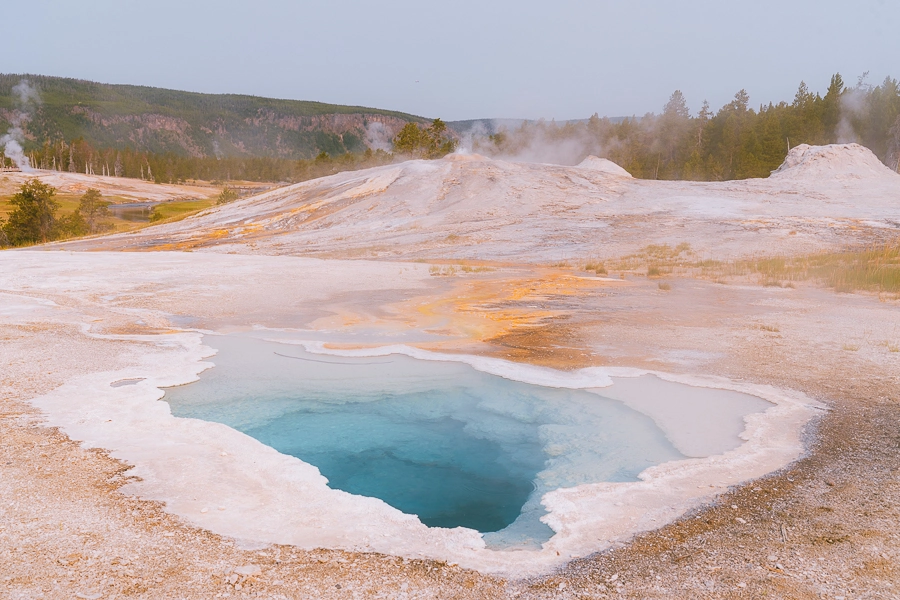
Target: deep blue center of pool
x=431, y=467
x=440, y=440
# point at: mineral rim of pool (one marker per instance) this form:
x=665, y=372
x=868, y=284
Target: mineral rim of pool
x=443, y=441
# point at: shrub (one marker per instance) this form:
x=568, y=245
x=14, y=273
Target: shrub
x=228, y=194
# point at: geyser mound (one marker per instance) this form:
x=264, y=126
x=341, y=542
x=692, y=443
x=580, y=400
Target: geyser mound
x=603, y=165
x=834, y=161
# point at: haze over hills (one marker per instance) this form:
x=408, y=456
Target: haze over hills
x=158, y=120
x=190, y=124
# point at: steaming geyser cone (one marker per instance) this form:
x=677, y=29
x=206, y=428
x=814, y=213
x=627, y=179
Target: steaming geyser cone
x=472, y=207
x=835, y=161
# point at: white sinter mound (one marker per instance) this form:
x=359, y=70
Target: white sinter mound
x=604, y=166
x=474, y=207
x=835, y=161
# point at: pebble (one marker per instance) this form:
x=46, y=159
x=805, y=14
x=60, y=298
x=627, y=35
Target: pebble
x=204, y=510
x=741, y=521
x=772, y=558
x=742, y=585
x=248, y=570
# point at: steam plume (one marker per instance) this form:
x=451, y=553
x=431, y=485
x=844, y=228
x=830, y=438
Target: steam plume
x=26, y=97
x=378, y=137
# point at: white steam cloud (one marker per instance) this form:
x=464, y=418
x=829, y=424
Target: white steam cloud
x=26, y=97
x=530, y=142
x=852, y=107
x=378, y=137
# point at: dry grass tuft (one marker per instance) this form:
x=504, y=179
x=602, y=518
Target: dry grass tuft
x=439, y=271
x=596, y=266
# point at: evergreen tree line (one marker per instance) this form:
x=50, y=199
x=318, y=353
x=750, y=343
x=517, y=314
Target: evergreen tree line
x=78, y=156
x=736, y=142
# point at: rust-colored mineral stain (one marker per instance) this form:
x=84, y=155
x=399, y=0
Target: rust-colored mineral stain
x=505, y=315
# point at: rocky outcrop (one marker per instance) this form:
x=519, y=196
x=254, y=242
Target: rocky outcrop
x=336, y=123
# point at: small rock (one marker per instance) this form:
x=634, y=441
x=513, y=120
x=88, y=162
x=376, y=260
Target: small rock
x=613, y=578
x=742, y=585
x=204, y=510
x=829, y=483
x=248, y=570
x=562, y=586
x=772, y=558
x=238, y=587
x=734, y=506
x=88, y=596
x=779, y=567
x=741, y=521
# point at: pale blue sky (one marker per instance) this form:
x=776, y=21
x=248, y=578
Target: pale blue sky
x=462, y=59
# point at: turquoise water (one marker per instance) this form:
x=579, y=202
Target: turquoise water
x=439, y=440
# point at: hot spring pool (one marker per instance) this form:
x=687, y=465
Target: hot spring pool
x=440, y=440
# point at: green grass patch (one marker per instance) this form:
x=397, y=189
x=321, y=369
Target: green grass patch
x=169, y=212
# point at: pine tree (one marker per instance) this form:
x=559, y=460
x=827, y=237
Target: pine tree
x=34, y=214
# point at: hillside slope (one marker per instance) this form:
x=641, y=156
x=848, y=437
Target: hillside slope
x=186, y=123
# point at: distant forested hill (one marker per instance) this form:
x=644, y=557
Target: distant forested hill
x=160, y=121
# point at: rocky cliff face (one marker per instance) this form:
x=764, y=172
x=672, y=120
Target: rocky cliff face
x=185, y=123
x=266, y=133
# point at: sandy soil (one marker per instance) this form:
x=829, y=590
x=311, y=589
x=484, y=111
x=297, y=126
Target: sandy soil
x=824, y=527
